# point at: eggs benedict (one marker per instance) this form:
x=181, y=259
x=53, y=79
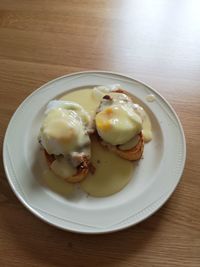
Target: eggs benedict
x=119, y=124
x=65, y=139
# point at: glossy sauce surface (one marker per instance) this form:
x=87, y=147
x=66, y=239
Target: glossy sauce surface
x=57, y=184
x=112, y=173
x=85, y=98
x=150, y=98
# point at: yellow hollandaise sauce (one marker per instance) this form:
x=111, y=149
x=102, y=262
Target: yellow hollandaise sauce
x=112, y=173
x=85, y=98
x=57, y=184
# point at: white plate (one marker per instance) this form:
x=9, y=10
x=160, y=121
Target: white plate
x=154, y=180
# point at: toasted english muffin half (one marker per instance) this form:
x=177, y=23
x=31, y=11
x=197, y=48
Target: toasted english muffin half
x=82, y=169
x=132, y=154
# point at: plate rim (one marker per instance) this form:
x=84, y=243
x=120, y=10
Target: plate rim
x=158, y=204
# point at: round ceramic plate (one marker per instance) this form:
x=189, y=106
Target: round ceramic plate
x=154, y=179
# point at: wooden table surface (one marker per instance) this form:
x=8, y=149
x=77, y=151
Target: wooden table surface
x=157, y=42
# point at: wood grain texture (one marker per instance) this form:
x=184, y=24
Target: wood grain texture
x=155, y=41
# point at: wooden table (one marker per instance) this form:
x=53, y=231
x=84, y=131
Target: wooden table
x=157, y=42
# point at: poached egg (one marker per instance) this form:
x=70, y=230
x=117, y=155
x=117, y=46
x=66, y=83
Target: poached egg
x=64, y=128
x=117, y=120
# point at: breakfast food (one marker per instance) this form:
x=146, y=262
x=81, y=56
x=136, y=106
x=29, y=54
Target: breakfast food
x=64, y=136
x=79, y=134
x=119, y=123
